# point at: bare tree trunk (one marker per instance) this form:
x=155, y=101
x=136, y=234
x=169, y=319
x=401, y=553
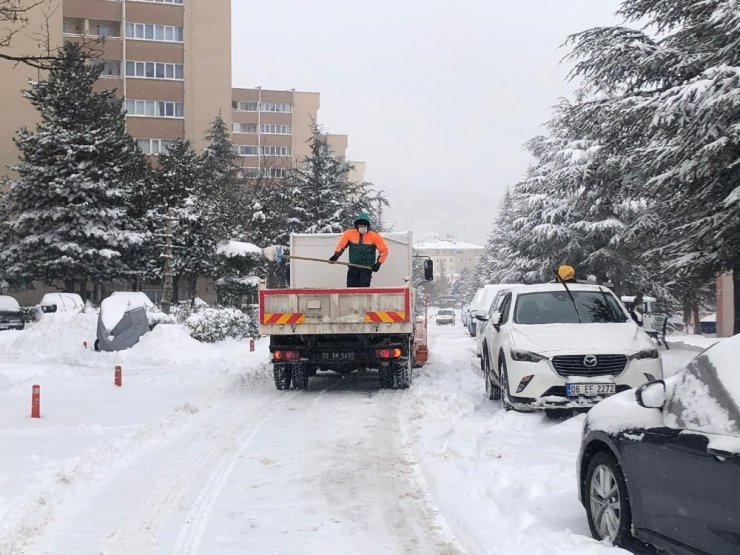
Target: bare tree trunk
x=695, y=317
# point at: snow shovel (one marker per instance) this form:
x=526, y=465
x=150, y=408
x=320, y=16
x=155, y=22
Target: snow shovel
x=277, y=254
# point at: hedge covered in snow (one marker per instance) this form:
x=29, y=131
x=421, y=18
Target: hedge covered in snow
x=216, y=324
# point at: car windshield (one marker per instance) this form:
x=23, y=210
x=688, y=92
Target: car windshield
x=446, y=312
x=556, y=307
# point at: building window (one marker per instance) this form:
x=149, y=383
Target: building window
x=73, y=26
x=155, y=70
x=276, y=129
x=244, y=106
x=276, y=107
x=105, y=28
x=148, y=31
x=277, y=151
x=110, y=68
x=154, y=108
x=244, y=127
x=248, y=172
x=246, y=150
x=154, y=147
x=276, y=172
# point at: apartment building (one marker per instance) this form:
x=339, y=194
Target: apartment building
x=169, y=59
x=271, y=131
x=450, y=257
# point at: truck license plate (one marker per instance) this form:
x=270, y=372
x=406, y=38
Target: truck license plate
x=589, y=389
x=349, y=355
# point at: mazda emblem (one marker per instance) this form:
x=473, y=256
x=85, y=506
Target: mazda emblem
x=589, y=361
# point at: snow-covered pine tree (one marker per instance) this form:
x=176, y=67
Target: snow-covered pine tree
x=678, y=94
x=224, y=198
x=69, y=217
x=322, y=202
x=180, y=189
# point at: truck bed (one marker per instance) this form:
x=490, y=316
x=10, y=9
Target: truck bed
x=379, y=310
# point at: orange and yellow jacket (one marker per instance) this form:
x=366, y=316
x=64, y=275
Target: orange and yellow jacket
x=362, y=248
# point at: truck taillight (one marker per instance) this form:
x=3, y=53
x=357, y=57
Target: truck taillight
x=286, y=355
x=388, y=353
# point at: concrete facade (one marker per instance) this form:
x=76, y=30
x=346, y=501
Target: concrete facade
x=169, y=60
x=271, y=130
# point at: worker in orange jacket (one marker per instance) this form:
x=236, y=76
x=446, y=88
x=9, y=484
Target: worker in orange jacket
x=363, y=246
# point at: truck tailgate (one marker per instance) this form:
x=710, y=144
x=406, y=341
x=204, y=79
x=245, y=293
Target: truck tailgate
x=335, y=311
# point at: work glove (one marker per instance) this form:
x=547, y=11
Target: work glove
x=376, y=266
x=334, y=258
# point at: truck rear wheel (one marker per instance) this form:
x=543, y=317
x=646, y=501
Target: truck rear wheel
x=402, y=372
x=385, y=377
x=300, y=376
x=282, y=376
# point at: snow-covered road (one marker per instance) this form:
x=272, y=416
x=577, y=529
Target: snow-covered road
x=198, y=453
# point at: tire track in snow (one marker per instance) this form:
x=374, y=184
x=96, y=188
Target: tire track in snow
x=192, y=532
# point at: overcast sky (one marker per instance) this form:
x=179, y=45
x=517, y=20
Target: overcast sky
x=437, y=97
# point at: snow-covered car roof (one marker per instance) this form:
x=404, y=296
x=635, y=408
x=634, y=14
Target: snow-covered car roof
x=114, y=307
x=135, y=299
x=544, y=287
x=631, y=299
x=9, y=303
x=53, y=298
x=489, y=293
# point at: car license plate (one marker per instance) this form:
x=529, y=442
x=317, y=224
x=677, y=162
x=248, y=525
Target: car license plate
x=589, y=389
x=349, y=355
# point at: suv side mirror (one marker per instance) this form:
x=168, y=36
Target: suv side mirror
x=651, y=395
x=428, y=269
x=481, y=317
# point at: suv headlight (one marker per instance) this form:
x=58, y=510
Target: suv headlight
x=525, y=356
x=646, y=353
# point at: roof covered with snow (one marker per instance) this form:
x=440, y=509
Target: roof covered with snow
x=238, y=248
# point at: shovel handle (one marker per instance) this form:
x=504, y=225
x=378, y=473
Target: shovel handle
x=313, y=259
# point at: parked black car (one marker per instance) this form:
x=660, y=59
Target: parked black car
x=11, y=317
x=662, y=463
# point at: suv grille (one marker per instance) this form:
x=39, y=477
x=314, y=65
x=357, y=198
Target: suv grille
x=573, y=365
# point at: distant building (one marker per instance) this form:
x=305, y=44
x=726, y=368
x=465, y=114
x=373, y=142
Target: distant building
x=271, y=130
x=170, y=60
x=450, y=257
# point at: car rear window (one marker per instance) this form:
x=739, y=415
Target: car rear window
x=556, y=307
x=706, y=394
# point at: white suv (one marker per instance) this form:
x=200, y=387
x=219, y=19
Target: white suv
x=549, y=347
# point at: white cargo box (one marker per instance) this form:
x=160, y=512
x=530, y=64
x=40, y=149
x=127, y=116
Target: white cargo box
x=318, y=301
x=395, y=272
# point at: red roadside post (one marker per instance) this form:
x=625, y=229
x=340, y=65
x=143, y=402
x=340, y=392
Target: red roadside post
x=251, y=343
x=84, y=344
x=117, y=379
x=36, y=401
